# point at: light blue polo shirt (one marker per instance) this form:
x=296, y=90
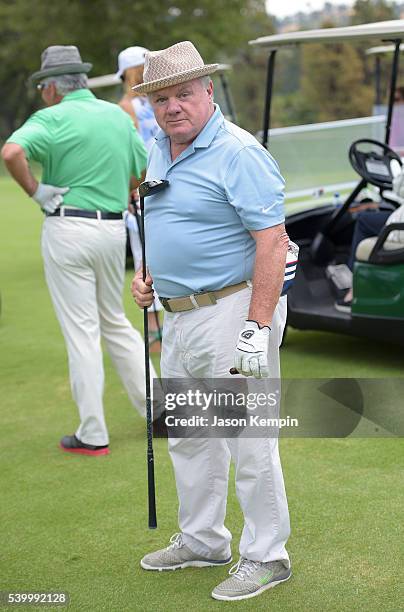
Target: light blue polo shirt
x=197, y=230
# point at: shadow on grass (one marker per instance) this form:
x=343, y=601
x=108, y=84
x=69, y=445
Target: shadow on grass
x=344, y=355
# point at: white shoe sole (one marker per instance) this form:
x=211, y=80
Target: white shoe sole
x=341, y=308
x=250, y=595
x=185, y=564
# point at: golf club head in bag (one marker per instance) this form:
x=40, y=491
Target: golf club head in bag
x=148, y=188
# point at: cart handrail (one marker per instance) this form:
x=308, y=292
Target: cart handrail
x=382, y=49
x=379, y=255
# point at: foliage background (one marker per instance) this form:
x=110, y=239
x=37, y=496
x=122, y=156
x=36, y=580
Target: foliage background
x=220, y=29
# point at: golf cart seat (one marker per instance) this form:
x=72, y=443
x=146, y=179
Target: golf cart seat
x=379, y=250
x=366, y=247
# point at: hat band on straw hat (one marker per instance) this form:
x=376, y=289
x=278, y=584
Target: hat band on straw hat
x=176, y=79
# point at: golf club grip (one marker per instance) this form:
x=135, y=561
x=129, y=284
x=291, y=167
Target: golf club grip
x=142, y=239
x=138, y=220
x=140, y=226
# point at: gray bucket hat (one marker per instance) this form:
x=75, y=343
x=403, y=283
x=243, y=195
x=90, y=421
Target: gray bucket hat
x=60, y=59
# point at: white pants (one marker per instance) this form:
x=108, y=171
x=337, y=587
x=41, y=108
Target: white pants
x=84, y=268
x=201, y=344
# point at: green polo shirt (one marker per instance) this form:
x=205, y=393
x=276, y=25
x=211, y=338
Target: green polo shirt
x=88, y=145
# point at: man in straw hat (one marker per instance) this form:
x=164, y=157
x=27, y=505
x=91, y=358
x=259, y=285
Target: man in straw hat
x=218, y=225
x=89, y=150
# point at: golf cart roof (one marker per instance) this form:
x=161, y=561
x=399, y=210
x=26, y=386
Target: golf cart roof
x=224, y=67
x=104, y=81
x=382, y=29
x=108, y=80
x=382, y=49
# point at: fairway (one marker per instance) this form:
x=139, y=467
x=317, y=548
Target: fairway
x=79, y=524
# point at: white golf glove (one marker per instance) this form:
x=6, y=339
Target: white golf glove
x=49, y=197
x=251, y=357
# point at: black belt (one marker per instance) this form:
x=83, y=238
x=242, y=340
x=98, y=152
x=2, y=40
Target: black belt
x=86, y=214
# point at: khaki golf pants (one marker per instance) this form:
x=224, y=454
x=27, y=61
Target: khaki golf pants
x=84, y=268
x=200, y=344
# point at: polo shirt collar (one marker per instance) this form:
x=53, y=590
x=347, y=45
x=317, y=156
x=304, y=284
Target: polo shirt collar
x=205, y=136
x=78, y=94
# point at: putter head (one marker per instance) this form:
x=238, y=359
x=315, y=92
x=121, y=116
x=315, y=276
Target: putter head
x=151, y=187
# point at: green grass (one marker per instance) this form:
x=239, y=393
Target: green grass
x=79, y=524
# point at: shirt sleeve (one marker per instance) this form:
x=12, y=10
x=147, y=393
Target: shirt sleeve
x=34, y=137
x=255, y=187
x=139, y=153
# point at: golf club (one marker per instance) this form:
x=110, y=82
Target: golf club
x=148, y=188
x=139, y=228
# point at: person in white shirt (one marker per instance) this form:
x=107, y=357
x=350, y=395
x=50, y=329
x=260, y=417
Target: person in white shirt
x=130, y=71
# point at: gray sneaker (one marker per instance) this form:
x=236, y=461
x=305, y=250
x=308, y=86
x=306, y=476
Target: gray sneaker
x=251, y=578
x=177, y=556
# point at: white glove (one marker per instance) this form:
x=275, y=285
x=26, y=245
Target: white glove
x=251, y=357
x=130, y=222
x=49, y=197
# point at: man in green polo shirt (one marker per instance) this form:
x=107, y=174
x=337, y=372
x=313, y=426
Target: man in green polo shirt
x=90, y=155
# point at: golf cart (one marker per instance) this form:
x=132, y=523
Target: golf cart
x=324, y=233
x=379, y=108
x=377, y=53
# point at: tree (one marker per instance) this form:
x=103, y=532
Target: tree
x=333, y=81
x=248, y=76
x=101, y=28
x=369, y=11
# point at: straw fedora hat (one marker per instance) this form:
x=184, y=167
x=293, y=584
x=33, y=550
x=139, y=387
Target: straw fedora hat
x=177, y=64
x=60, y=59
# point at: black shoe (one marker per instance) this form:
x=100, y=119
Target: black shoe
x=71, y=444
x=343, y=305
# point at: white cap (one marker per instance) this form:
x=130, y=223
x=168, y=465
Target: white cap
x=130, y=58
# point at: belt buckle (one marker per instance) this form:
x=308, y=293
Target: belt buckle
x=165, y=303
x=193, y=300
x=209, y=295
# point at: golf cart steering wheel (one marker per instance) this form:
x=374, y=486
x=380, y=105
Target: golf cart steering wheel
x=375, y=162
